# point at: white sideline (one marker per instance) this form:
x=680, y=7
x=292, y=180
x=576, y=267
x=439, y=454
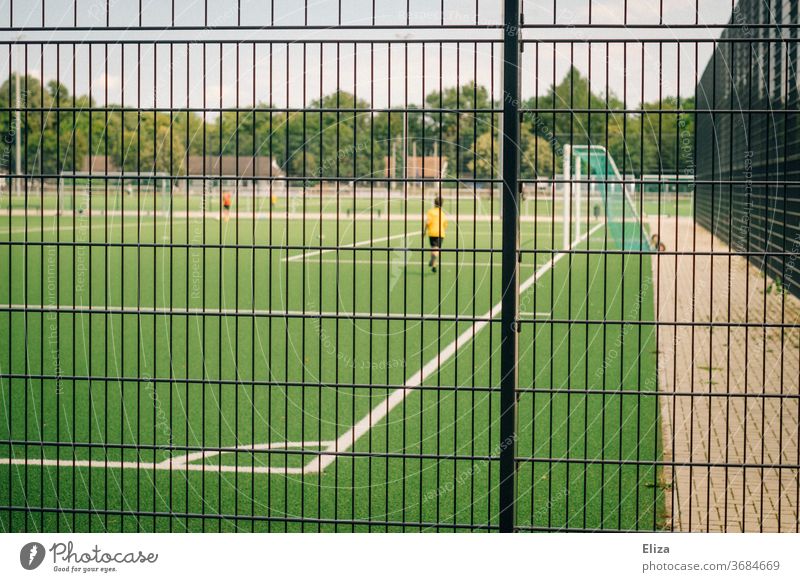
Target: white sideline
x=379, y=412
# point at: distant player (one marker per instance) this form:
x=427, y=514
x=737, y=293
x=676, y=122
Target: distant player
x=435, y=228
x=226, y=206
x=656, y=244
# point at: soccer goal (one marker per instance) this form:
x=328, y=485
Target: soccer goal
x=591, y=177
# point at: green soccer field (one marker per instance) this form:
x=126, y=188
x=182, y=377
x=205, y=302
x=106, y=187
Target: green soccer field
x=174, y=372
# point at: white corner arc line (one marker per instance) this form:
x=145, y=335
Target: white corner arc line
x=145, y=466
x=380, y=411
x=183, y=462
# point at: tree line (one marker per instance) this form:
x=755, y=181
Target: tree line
x=340, y=136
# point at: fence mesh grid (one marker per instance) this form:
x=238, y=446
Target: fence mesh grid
x=369, y=266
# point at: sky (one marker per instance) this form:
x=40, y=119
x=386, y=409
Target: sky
x=385, y=72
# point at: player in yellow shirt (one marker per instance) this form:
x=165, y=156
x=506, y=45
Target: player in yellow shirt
x=435, y=228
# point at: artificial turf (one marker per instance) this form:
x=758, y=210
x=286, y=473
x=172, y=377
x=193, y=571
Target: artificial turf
x=202, y=335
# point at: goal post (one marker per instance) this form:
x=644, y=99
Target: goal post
x=572, y=193
x=566, y=191
x=578, y=195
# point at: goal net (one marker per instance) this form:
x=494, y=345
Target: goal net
x=594, y=179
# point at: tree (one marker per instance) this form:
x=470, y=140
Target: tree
x=339, y=136
x=49, y=138
x=454, y=131
x=536, y=155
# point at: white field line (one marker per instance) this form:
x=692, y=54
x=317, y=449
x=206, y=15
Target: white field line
x=183, y=462
x=379, y=412
x=142, y=310
x=307, y=254
x=80, y=227
x=143, y=465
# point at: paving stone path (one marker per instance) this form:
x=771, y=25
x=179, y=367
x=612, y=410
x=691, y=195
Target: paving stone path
x=730, y=399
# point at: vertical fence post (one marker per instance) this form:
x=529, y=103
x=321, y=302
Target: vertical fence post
x=510, y=284
x=566, y=194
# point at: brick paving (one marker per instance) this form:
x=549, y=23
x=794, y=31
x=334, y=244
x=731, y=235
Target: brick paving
x=730, y=393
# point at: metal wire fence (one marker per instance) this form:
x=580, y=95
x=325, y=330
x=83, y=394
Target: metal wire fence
x=355, y=266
